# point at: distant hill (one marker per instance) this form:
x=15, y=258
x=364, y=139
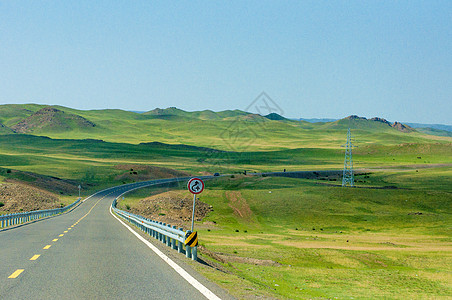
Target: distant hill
x=201, y=115
x=11, y=114
x=434, y=126
x=315, y=120
x=376, y=123
x=275, y=117
x=434, y=131
x=51, y=119
x=170, y=111
x=229, y=130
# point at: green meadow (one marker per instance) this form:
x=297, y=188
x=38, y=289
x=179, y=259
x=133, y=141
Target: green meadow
x=297, y=238
x=267, y=237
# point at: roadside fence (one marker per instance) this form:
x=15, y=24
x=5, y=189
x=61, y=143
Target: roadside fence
x=166, y=233
x=19, y=218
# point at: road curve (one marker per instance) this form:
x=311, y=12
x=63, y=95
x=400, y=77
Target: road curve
x=87, y=254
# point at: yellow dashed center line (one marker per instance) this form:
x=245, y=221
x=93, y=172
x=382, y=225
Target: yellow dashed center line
x=69, y=228
x=16, y=273
x=92, y=208
x=65, y=231
x=36, y=256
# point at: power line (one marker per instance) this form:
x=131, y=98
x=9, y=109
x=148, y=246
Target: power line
x=347, y=176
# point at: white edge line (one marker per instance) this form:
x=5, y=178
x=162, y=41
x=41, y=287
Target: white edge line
x=195, y=283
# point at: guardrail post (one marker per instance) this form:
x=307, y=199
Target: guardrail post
x=168, y=240
x=153, y=231
x=179, y=243
x=194, y=253
x=160, y=235
x=164, y=236
x=174, y=240
x=188, y=251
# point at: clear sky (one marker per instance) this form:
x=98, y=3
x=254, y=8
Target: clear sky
x=315, y=59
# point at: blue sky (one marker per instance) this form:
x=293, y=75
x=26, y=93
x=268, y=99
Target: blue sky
x=390, y=59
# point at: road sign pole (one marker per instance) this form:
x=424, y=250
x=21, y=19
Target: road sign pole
x=193, y=215
x=195, y=186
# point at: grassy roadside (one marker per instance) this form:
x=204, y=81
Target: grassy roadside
x=293, y=238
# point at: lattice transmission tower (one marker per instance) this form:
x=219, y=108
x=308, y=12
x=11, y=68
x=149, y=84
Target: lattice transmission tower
x=347, y=176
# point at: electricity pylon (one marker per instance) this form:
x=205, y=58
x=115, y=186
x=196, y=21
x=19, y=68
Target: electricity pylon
x=347, y=176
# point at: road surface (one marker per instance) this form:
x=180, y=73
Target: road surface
x=88, y=254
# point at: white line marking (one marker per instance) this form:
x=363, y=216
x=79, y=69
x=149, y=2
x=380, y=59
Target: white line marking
x=195, y=283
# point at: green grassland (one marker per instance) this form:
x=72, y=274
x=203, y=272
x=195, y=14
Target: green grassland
x=296, y=238
x=96, y=160
x=270, y=237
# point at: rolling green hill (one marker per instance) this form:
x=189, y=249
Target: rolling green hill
x=11, y=114
x=434, y=131
x=49, y=119
x=201, y=115
x=69, y=143
x=228, y=130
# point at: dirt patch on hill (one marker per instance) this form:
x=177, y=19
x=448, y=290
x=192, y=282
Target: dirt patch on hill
x=226, y=258
x=239, y=205
x=247, y=260
x=18, y=197
x=53, y=184
x=171, y=207
x=144, y=172
x=50, y=118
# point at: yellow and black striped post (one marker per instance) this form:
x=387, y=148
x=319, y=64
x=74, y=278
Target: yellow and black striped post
x=191, y=239
x=191, y=243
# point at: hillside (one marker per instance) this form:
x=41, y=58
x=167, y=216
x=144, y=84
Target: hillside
x=4, y=129
x=230, y=130
x=200, y=115
x=376, y=123
x=434, y=131
x=434, y=126
x=49, y=119
x=11, y=114
x=275, y=117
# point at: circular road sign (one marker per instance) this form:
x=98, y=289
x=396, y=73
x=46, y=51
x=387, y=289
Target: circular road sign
x=195, y=186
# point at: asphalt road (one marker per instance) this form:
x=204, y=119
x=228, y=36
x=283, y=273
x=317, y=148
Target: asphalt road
x=87, y=254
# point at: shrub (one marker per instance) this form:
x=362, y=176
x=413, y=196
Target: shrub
x=128, y=206
x=2, y=204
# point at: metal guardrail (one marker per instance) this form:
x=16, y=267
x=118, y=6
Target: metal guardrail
x=19, y=218
x=166, y=233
